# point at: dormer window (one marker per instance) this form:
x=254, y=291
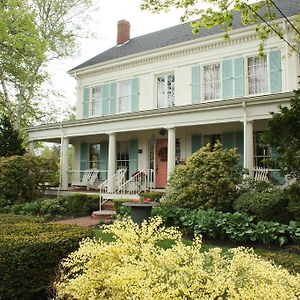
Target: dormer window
x=165, y=90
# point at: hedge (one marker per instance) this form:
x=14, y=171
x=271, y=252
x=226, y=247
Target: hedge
x=30, y=251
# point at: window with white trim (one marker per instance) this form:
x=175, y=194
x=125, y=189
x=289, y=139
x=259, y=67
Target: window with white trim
x=212, y=81
x=125, y=94
x=165, y=90
x=257, y=75
x=96, y=100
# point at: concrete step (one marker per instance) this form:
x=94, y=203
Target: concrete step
x=112, y=196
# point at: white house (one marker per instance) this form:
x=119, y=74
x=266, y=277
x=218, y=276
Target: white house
x=151, y=101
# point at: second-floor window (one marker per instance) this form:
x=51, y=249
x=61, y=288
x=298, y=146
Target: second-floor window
x=257, y=75
x=125, y=95
x=212, y=82
x=165, y=90
x=96, y=101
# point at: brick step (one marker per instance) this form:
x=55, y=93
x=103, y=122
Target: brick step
x=103, y=215
x=109, y=205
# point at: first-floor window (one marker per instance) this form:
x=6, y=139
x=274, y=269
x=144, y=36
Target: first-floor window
x=257, y=75
x=94, y=155
x=165, y=90
x=262, y=152
x=123, y=156
x=96, y=101
x=125, y=93
x=212, y=82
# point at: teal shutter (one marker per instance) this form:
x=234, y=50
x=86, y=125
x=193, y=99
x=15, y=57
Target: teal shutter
x=106, y=99
x=85, y=102
x=84, y=157
x=135, y=94
x=112, y=103
x=196, y=142
x=227, y=80
x=239, y=82
x=228, y=140
x=133, y=156
x=239, y=144
x=196, y=84
x=275, y=71
x=103, y=164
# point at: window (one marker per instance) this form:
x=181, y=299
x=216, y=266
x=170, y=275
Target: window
x=261, y=151
x=212, y=82
x=165, y=90
x=125, y=93
x=96, y=100
x=94, y=155
x=123, y=156
x=257, y=75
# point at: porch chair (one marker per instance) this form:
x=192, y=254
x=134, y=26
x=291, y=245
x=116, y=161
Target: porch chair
x=260, y=173
x=88, y=179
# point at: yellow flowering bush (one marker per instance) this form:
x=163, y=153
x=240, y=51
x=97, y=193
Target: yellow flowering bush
x=134, y=267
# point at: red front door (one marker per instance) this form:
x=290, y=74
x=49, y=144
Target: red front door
x=161, y=163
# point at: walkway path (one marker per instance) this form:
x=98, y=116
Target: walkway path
x=84, y=221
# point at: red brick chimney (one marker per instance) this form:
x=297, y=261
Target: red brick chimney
x=123, y=32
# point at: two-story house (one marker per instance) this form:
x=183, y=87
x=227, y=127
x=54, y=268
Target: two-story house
x=151, y=101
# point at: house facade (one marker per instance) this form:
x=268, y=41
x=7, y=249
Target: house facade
x=151, y=101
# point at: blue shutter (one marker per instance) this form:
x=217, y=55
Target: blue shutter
x=228, y=140
x=239, y=144
x=84, y=157
x=196, y=142
x=239, y=82
x=112, y=103
x=275, y=71
x=276, y=176
x=135, y=94
x=106, y=99
x=227, y=80
x=103, y=164
x=85, y=102
x=196, y=84
x=133, y=156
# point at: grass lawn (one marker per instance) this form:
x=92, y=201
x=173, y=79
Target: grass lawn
x=289, y=260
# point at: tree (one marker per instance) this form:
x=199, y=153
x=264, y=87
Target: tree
x=283, y=134
x=10, y=140
x=211, y=13
x=33, y=33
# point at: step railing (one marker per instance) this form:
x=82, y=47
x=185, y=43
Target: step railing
x=141, y=181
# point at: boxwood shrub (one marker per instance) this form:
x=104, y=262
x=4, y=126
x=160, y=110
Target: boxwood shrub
x=30, y=251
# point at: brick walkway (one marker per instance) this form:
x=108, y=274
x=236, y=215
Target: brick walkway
x=84, y=221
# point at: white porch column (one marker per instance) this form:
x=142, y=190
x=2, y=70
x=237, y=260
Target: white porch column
x=171, y=150
x=248, y=146
x=31, y=147
x=112, y=145
x=65, y=163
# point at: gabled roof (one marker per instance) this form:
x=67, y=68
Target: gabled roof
x=175, y=35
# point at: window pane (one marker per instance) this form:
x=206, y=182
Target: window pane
x=257, y=75
x=212, y=83
x=125, y=95
x=166, y=90
x=96, y=100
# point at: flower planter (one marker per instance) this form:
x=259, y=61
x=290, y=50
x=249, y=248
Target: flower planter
x=140, y=211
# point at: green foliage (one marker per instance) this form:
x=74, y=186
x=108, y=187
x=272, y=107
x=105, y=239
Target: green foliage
x=81, y=204
x=208, y=180
x=222, y=15
x=22, y=178
x=293, y=194
x=153, y=196
x=236, y=227
x=283, y=133
x=10, y=140
x=268, y=205
x=120, y=208
x=53, y=207
x=35, y=249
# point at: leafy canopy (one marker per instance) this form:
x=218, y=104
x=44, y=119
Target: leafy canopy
x=211, y=13
x=283, y=133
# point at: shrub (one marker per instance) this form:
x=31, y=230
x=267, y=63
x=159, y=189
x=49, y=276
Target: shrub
x=120, y=208
x=268, y=205
x=293, y=194
x=208, y=180
x=140, y=269
x=35, y=249
x=81, y=204
x=53, y=207
x=22, y=178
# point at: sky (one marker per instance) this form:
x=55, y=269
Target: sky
x=104, y=25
